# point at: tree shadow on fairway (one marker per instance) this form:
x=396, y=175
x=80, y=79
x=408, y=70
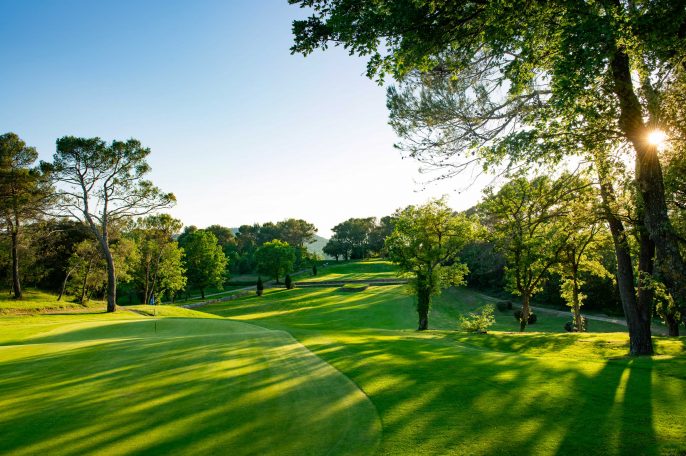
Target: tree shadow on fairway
x=260, y=392
x=438, y=398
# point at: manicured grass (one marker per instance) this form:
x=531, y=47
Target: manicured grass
x=39, y=301
x=353, y=270
x=445, y=392
x=128, y=384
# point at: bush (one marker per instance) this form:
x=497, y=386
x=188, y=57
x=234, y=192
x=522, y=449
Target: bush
x=504, y=306
x=570, y=326
x=532, y=317
x=314, y=269
x=260, y=287
x=478, y=322
x=289, y=282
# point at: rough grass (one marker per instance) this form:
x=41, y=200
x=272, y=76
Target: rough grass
x=39, y=301
x=445, y=392
x=127, y=384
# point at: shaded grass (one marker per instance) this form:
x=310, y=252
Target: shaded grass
x=125, y=384
x=445, y=392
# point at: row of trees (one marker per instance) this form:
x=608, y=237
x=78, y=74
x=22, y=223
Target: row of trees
x=83, y=223
x=505, y=85
x=358, y=238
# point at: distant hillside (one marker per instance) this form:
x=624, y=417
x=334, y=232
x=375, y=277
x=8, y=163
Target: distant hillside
x=316, y=247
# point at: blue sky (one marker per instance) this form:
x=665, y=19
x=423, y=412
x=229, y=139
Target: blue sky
x=240, y=130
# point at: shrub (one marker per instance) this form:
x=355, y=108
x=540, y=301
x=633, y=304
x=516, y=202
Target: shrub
x=478, y=322
x=260, y=286
x=504, y=306
x=289, y=282
x=314, y=269
x=532, y=317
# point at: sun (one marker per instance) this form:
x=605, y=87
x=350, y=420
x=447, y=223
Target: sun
x=657, y=137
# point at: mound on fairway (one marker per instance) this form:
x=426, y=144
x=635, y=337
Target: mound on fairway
x=127, y=384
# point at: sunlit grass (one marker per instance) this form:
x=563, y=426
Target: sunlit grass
x=447, y=392
x=37, y=301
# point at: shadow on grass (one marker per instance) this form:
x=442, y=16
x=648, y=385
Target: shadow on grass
x=240, y=393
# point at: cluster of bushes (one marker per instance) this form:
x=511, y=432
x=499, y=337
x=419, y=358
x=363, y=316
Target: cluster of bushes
x=478, y=322
x=531, y=320
x=571, y=326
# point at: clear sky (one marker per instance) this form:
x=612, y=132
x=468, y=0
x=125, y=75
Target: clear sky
x=240, y=130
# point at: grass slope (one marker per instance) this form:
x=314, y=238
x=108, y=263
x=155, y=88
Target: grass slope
x=354, y=270
x=444, y=392
x=39, y=301
x=183, y=383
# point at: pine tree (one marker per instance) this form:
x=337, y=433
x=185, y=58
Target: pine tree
x=260, y=286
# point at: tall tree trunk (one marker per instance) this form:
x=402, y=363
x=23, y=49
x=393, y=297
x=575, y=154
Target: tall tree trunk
x=649, y=182
x=640, y=342
x=16, y=285
x=423, y=304
x=111, y=282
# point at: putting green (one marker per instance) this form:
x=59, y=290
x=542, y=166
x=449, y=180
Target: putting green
x=124, y=384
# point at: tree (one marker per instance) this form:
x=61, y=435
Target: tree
x=580, y=256
x=426, y=243
x=275, y=258
x=528, y=228
x=351, y=238
x=288, y=282
x=335, y=248
x=160, y=268
x=506, y=77
x=101, y=184
x=88, y=269
x=24, y=194
x=205, y=261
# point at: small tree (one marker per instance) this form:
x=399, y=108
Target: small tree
x=478, y=322
x=101, y=184
x=205, y=260
x=426, y=243
x=314, y=269
x=260, y=287
x=288, y=282
x=275, y=258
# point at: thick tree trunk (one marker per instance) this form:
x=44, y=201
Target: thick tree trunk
x=423, y=304
x=640, y=342
x=649, y=182
x=672, y=325
x=524, y=319
x=16, y=285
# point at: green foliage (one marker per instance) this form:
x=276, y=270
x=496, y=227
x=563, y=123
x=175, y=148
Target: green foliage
x=288, y=282
x=204, y=260
x=275, y=258
x=479, y=321
x=426, y=243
